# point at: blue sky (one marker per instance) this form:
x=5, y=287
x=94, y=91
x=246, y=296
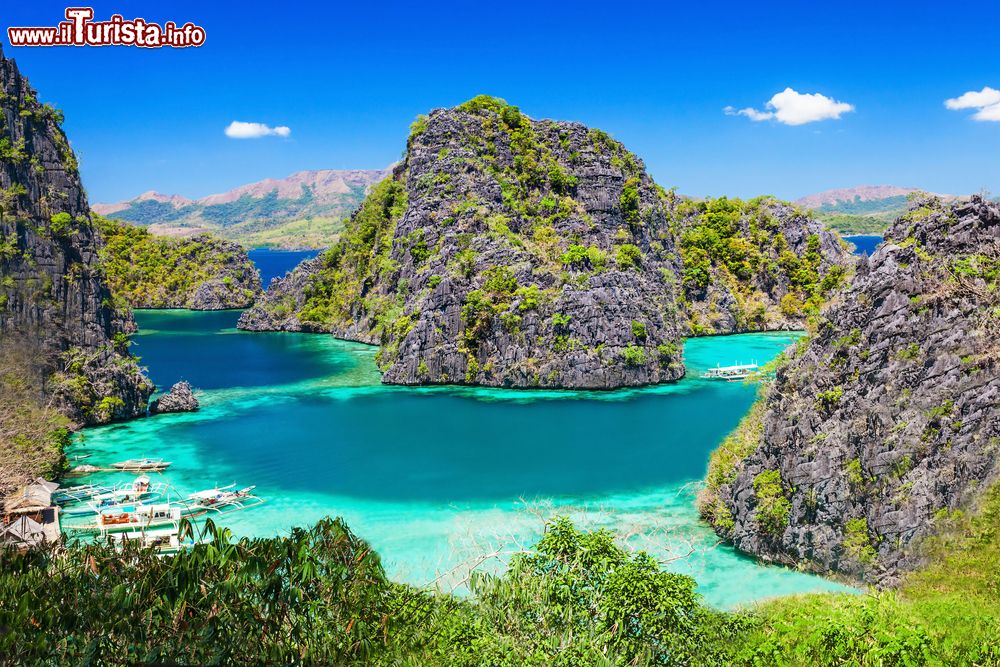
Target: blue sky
x=348, y=78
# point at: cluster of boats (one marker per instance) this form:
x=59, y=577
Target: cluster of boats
x=142, y=511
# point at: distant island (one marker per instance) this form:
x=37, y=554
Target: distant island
x=862, y=210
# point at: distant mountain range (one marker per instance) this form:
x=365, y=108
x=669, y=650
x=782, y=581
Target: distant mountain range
x=304, y=210
x=864, y=209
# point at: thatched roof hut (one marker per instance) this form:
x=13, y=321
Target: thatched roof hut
x=23, y=532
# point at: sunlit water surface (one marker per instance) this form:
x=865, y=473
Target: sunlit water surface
x=436, y=477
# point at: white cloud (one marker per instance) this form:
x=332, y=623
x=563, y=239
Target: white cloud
x=986, y=102
x=794, y=108
x=240, y=130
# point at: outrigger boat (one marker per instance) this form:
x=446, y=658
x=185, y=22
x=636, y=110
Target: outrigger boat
x=731, y=373
x=141, y=465
x=164, y=540
x=134, y=516
x=85, y=469
x=79, y=493
x=126, y=494
x=222, y=499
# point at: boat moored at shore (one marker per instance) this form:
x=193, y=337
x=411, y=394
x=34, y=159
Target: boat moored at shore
x=731, y=373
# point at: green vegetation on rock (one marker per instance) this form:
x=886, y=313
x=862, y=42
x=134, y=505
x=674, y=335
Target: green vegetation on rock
x=740, y=247
x=149, y=271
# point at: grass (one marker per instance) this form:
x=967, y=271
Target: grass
x=947, y=613
x=319, y=232
x=32, y=432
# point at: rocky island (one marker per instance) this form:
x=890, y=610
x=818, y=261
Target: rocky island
x=507, y=251
x=199, y=273
x=886, y=421
x=180, y=398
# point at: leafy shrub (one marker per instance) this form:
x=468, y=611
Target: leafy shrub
x=857, y=543
x=634, y=356
x=826, y=400
x=61, y=224
x=629, y=202
x=628, y=256
x=773, y=505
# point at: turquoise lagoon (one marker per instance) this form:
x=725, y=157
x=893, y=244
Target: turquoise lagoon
x=439, y=478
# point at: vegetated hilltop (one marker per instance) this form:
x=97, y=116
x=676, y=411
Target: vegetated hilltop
x=887, y=420
x=200, y=273
x=304, y=210
x=506, y=251
x=865, y=209
x=62, y=339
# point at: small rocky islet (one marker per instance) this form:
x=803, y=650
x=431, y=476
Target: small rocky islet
x=512, y=252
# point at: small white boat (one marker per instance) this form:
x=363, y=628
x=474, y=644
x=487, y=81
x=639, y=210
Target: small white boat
x=79, y=493
x=164, y=540
x=127, y=494
x=84, y=469
x=222, y=499
x=221, y=496
x=141, y=465
x=131, y=517
x=731, y=373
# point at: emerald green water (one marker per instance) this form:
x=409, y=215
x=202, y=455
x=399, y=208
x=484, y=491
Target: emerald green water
x=436, y=477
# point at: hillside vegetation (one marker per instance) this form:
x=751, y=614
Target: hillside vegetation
x=200, y=273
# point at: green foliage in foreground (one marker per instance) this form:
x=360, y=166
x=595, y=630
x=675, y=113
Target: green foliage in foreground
x=320, y=596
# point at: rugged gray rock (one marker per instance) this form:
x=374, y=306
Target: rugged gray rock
x=889, y=417
x=50, y=289
x=236, y=286
x=180, y=398
x=505, y=251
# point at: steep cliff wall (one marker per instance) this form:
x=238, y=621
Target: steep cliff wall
x=51, y=293
x=506, y=251
x=888, y=418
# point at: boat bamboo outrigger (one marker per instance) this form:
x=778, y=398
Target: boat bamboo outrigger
x=731, y=373
x=79, y=493
x=141, y=490
x=141, y=465
x=134, y=516
x=163, y=540
x=222, y=500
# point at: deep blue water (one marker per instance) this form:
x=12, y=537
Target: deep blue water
x=864, y=245
x=276, y=263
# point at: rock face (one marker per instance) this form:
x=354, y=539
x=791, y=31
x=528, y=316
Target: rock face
x=888, y=419
x=50, y=289
x=505, y=251
x=761, y=265
x=180, y=398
